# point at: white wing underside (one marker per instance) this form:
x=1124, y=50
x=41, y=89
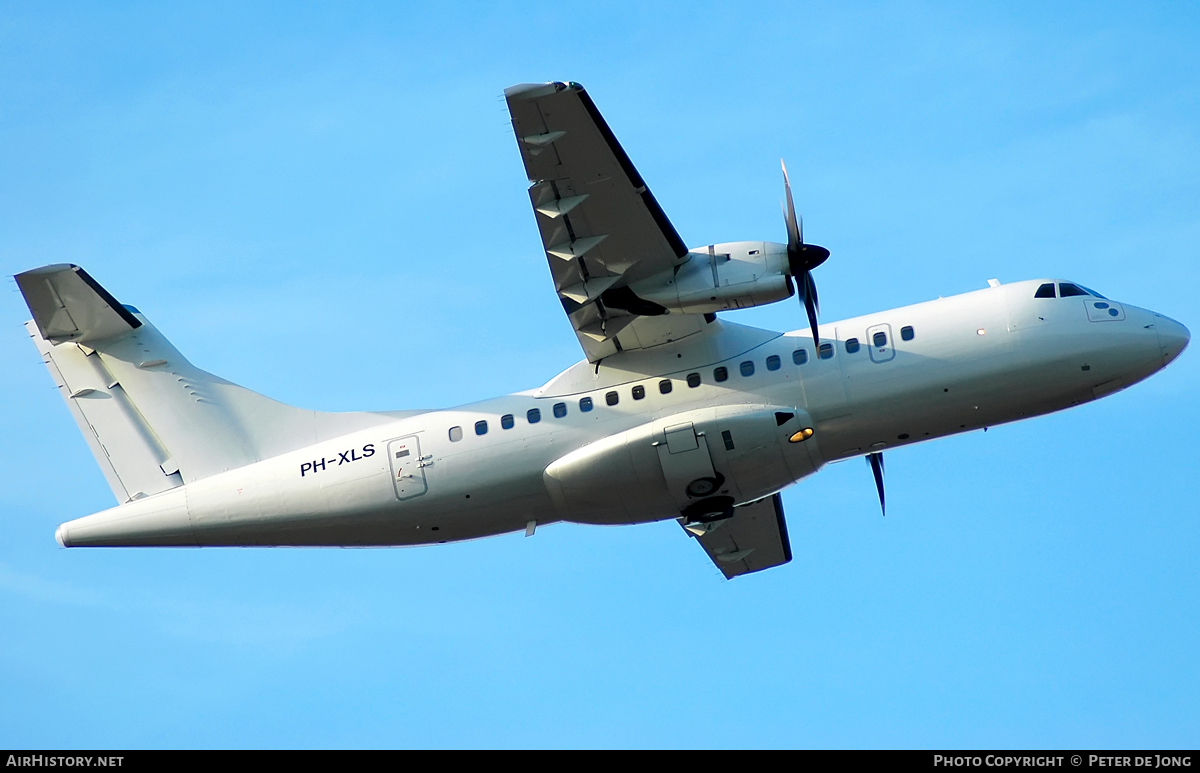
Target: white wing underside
x=755, y=538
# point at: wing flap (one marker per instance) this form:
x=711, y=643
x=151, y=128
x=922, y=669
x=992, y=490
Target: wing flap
x=755, y=538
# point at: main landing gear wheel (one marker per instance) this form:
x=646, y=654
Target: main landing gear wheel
x=709, y=510
x=703, y=487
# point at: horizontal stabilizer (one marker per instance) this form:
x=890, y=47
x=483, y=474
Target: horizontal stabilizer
x=68, y=305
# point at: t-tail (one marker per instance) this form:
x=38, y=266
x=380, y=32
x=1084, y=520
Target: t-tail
x=154, y=421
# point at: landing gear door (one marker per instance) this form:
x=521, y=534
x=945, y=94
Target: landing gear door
x=408, y=467
x=879, y=341
x=686, y=464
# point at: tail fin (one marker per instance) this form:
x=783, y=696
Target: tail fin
x=152, y=419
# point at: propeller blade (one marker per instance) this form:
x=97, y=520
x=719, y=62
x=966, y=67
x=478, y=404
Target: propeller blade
x=802, y=259
x=812, y=292
x=876, y=462
x=795, y=234
x=808, y=299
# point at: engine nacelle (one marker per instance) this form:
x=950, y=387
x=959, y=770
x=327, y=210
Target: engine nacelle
x=720, y=277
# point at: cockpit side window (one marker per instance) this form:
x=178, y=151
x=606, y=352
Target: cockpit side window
x=1093, y=292
x=1066, y=290
x=1045, y=291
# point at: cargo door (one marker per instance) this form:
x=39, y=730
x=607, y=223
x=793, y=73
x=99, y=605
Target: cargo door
x=408, y=467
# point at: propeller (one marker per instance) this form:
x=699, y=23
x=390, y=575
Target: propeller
x=876, y=462
x=802, y=259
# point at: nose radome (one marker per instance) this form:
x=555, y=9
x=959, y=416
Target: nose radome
x=1173, y=338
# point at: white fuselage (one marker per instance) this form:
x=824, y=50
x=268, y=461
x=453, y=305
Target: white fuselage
x=971, y=361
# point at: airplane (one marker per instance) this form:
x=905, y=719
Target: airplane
x=674, y=412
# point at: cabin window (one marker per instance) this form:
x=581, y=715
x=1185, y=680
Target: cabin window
x=747, y=368
x=639, y=392
x=455, y=434
x=851, y=345
x=880, y=339
x=506, y=421
x=481, y=428
x=773, y=362
x=534, y=415
x=693, y=380
x=721, y=374
x=800, y=356
x=825, y=351
x=560, y=410
x=1045, y=291
x=664, y=386
x=907, y=333
x=585, y=404
x=611, y=398
x=1066, y=290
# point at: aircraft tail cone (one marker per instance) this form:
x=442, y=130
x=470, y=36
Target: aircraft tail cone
x=158, y=520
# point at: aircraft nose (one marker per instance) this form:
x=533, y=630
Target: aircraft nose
x=1173, y=338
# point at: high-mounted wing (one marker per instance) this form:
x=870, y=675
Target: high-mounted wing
x=601, y=227
x=755, y=538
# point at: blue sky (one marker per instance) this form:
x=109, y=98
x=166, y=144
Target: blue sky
x=324, y=202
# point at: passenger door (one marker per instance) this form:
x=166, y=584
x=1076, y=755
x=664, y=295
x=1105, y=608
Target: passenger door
x=408, y=467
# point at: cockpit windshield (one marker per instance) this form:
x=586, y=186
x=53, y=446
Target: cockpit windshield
x=1065, y=290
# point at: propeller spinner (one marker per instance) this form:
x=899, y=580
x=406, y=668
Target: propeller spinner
x=802, y=259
